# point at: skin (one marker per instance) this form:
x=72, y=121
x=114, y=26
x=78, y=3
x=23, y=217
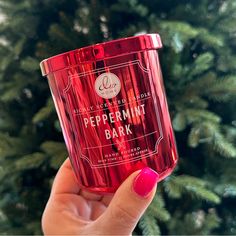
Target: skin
x=72, y=211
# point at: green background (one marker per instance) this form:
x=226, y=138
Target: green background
x=199, y=64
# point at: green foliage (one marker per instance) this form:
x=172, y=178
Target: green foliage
x=44, y=113
x=158, y=209
x=202, y=63
x=198, y=62
x=56, y=151
x=33, y=160
x=226, y=190
x=183, y=184
x=11, y=146
x=177, y=34
x=195, y=223
x=148, y=226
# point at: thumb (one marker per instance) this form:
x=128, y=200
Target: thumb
x=129, y=203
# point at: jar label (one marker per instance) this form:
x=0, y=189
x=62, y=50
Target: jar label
x=107, y=85
x=114, y=113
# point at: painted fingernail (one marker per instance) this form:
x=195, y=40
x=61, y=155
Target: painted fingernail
x=145, y=182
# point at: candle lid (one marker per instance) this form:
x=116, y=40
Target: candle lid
x=101, y=51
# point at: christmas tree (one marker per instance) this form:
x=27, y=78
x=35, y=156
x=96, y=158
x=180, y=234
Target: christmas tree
x=198, y=63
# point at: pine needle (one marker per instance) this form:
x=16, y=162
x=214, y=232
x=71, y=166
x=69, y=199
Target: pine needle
x=149, y=226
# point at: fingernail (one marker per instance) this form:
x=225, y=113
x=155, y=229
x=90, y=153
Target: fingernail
x=145, y=182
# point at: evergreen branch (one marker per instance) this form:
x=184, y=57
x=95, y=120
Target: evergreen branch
x=157, y=209
x=203, y=63
x=226, y=25
x=44, y=112
x=196, y=102
x=56, y=151
x=31, y=161
x=226, y=15
x=211, y=221
x=222, y=90
x=5, y=61
x=222, y=146
x=194, y=136
x=199, y=115
x=179, y=122
x=182, y=224
x=59, y=35
x=57, y=126
x=230, y=133
x=217, y=140
x=19, y=46
x=198, y=222
x=203, y=193
x=217, y=89
x=193, y=116
x=149, y=226
x=183, y=28
x=34, y=227
x=226, y=190
x=190, y=185
x=173, y=190
x=10, y=94
x=11, y=90
x=185, y=180
x=7, y=123
x=177, y=33
x=226, y=61
x=30, y=64
x=213, y=40
x=10, y=146
x=198, y=86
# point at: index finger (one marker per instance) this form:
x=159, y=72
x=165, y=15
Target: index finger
x=65, y=180
x=65, y=183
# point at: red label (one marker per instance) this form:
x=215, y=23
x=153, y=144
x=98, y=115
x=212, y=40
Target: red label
x=119, y=121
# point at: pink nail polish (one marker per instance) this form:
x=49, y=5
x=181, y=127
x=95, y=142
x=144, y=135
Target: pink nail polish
x=145, y=182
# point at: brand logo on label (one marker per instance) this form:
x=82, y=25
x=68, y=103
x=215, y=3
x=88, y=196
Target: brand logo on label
x=107, y=85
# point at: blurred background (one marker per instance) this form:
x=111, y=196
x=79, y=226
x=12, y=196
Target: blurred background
x=199, y=67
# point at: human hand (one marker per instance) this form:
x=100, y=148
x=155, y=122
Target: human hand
x=72, y=211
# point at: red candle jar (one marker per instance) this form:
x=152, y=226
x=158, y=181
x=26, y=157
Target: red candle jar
x=112, y=107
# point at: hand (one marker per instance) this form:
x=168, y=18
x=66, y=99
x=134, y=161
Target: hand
x=72, y=211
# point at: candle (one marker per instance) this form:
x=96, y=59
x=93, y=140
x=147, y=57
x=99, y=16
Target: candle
x=112, y=107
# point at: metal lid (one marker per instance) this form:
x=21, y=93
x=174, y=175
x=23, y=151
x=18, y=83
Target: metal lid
x=100, y=51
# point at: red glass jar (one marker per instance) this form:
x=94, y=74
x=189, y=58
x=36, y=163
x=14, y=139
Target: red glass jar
x=112, y=107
